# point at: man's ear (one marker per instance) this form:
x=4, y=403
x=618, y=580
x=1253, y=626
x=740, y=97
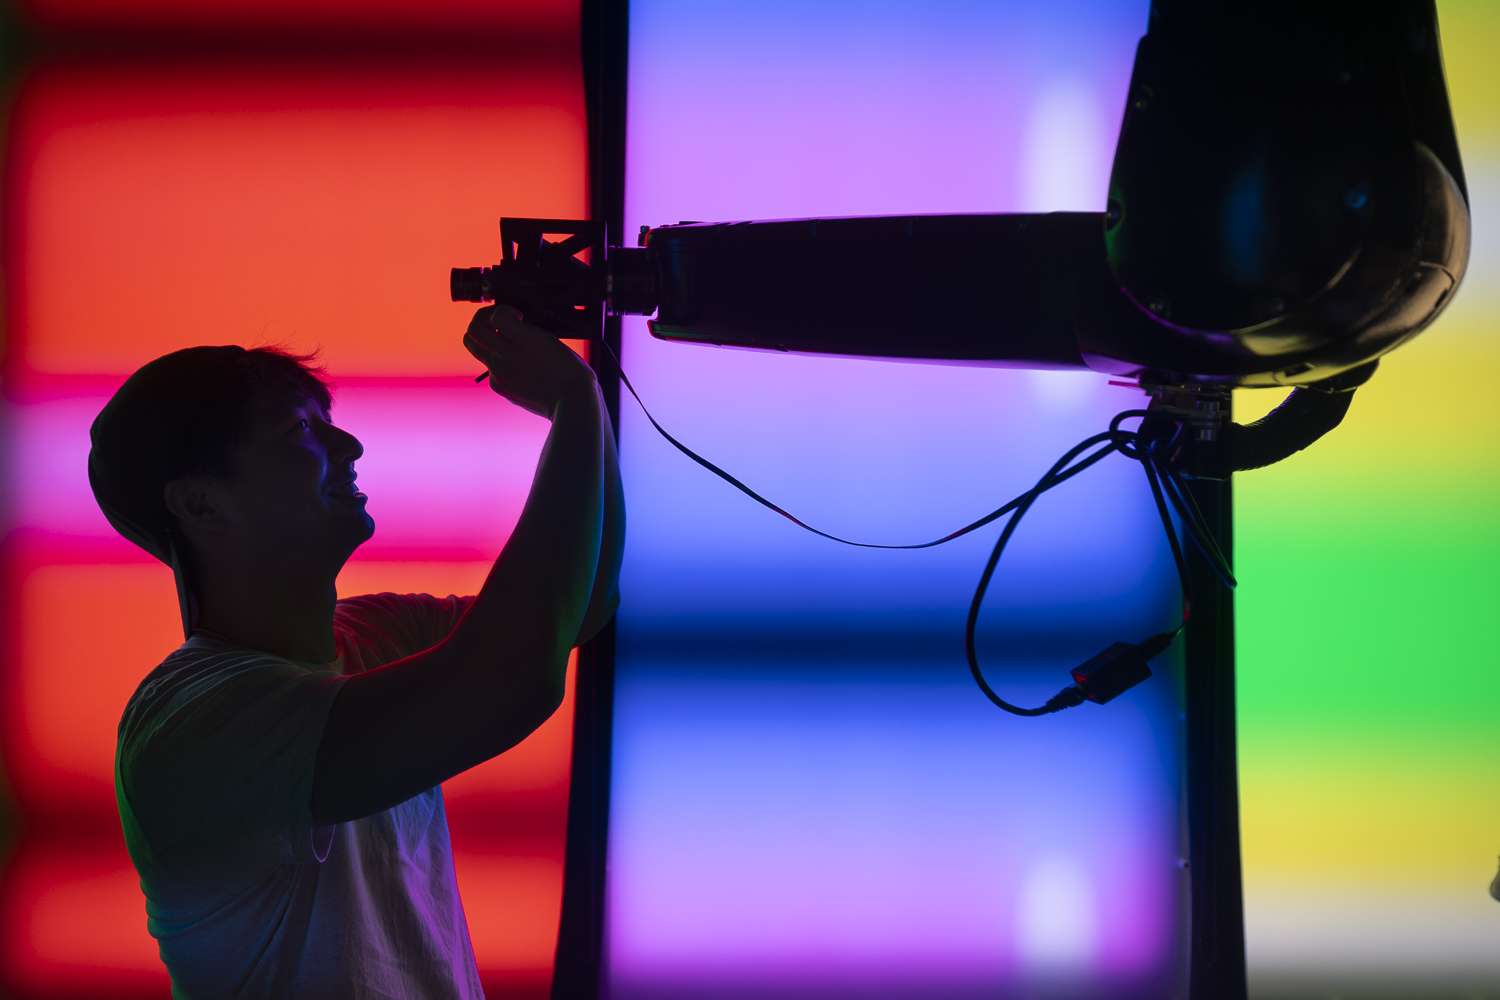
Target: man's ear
x=197, y=502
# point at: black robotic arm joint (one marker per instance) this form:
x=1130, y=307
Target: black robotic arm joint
x=1287, y=192
x=1307, y=414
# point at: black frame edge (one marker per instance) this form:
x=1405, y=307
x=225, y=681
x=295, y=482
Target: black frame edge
x=578, y=968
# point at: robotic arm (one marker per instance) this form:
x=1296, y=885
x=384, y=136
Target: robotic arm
x=1286, y=205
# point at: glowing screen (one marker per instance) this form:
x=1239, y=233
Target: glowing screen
x=810, y=797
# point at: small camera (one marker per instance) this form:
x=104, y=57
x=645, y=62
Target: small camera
x=562, y=275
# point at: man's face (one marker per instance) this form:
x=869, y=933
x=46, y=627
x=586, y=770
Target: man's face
x=292, y=480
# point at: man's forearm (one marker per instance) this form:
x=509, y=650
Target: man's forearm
x=404, y=727
x=543, y=581
x=605, y=596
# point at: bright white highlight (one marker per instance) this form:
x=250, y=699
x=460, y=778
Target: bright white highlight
x=1063, y=391
x=1066, y=155
x=1057, y=922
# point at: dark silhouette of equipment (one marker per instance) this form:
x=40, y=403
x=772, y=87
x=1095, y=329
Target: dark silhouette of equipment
x=1286, y=205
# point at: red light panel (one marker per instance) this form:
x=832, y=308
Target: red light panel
x=158, y=204
x=450, y=18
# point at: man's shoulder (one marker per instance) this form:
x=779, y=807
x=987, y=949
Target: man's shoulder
x=386, y=604
x=392, y=626
x=197, y=675
x=198, y=665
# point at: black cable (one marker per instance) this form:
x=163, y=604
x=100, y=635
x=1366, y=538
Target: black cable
x=711, y=467
x=1124, y=442
x=1153, y=478
x=1051, y=479
x=1193, y=519
x=1167, y=491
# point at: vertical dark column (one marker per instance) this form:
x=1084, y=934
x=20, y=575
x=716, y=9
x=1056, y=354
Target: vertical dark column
x=580, y=941
x=580, y=936
x=1216, y=962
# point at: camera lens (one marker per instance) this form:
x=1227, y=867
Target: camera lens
x=467, y=284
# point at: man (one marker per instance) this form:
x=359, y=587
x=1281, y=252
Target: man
x=278, y=775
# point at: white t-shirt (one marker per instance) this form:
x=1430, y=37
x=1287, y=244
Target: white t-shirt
x=246, y=898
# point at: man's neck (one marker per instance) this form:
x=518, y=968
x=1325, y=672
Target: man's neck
x=285, y=613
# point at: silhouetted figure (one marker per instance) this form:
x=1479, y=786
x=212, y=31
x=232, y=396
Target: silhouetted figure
x=278, y=775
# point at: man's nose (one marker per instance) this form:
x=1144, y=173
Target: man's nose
x=343, y=446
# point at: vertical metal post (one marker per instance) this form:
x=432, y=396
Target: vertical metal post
x=1216, y=960
x=580, y=940
x=578, y=967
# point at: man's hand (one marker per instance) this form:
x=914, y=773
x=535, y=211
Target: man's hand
x=528, y=366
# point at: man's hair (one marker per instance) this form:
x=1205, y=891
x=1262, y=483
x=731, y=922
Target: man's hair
x=182, y=415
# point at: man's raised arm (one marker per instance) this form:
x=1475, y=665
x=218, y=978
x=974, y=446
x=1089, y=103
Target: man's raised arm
x=398, y=730
x=605, y=597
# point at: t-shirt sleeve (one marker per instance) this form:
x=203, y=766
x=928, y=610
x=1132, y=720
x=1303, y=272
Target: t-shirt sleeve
x=400, y=625
x=217, y=768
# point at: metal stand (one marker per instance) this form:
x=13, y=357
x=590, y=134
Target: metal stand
x=1216, y=961
x=580, y=939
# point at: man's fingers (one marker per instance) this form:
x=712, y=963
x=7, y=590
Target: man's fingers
x=525, y=363
x=483, y=352
x=480, y=329
x=504, y=320
x=496, y=316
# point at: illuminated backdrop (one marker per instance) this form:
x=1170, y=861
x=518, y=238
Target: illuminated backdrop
x=153, y=203
x=1369, y=674
x=276, y=199
x=1367, y=677
x=810, y=796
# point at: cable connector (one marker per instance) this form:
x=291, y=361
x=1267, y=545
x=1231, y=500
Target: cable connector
x=1110, y=674
x=1119, y=668
x=1066, y=698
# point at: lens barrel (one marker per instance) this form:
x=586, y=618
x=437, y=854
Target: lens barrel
x=468, y=284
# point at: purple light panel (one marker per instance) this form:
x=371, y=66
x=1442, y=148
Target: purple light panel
x=810, y=797
x=51, y=494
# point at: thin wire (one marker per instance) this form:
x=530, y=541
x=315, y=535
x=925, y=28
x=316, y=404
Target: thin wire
x=1053, y=477
x=1195, y=522
x=732, y=481
x=1173, y=541
x=1181, y=498
x=1167, y=491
